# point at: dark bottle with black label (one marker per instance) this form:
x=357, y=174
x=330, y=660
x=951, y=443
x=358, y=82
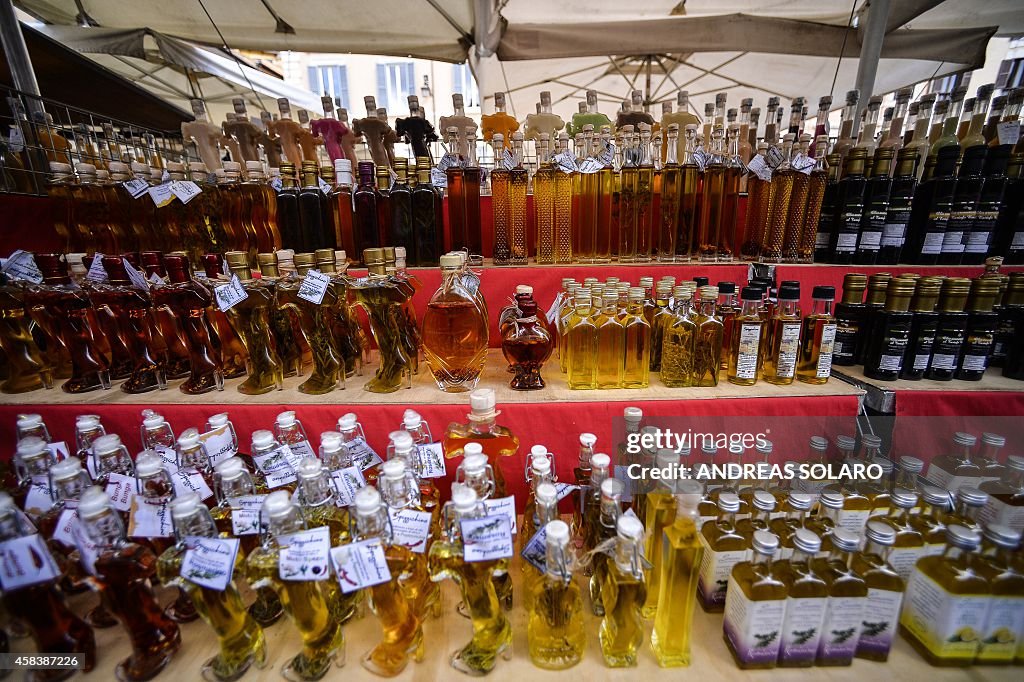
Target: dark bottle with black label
x=849, y=208
x=978, y=240
x=876, y=209
x=929, y=214
x=890, y=339
x=826, y=218
x=951, y=331
x=1007, y=331
x=981, y=329
x=288, y=221
x=312, y=209
x=969, y=182
x=875, y=301
x=897, y=216
x=1008, y=239
x=922, y=330
x=849, y=318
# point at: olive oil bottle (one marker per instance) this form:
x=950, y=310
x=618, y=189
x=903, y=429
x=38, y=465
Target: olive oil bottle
x=796, y=510
x=555, y=630
x=661, y=512
x=930, y=521
x=908, y=542
x=817, y=338
x=825, y=521
x=746, y=342
x=806, y=602
x=783, y=346
x=1004, y=625
x=755, y=607
x=603, y=529
x=724, y=548
x=762, y=504
x=624, y=592
x=847, y=599
x=885, y=592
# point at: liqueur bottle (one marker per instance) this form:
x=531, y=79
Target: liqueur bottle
x=964, y=208
x=27, y=368
x=499, y=122
x=951, y=331
x=846, y=602
x=316, y=322
x=979, y=239
x=624, y=593
x=608, y=182
x=712, y=202
x=240, y=638
x=121, y=573
x=885, y=592
x=982, y=324
x=930, y=212
x=340, y=206
x=818, y=338
x=314, y=216
x=455, y=332
x=289, y=337
x=482, y=428
x=366, y=224
x=888, y=346
x=555, y=629
x=581, y=344
x=526, y=345
x=564, y=207
x=907, y=544
x=708, y=343
x=415, y=129
x=515, y=205
x=746, y=342
x=679, y=339
x=382, y=297
x=250, y=317
x=755, y=607
x=876, y=206
x=473, y=178
x=543, y=201
x=849, y=208
x=783, y=347
x=996, y=563
x=897, y=217
x=331, y=131
x=288, y=216
x=500, y=186
x=781, y=195
x=426, y=215
x=492, y=633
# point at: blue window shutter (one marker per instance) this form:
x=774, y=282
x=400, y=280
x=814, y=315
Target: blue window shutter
x=382, y=85
x=341, y=92
x=410, y=79
x=314, y=80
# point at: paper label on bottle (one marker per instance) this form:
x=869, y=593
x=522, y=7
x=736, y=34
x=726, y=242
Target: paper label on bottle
x=210, y=562
x=590, y=166
x=981, y=234
x=753, y=627
x=607, y=154
x=953, y=241
x=828, y=339
x=230, y=294
x=903, y=560
x=219, y=444
x=146, y=520
x=39, y=498
x=535, y=550
x=438, y=178
x=360, y=564
x=325, y=187
x=21, y=265
x=16, y=140
x=563, y=490
x=801, y=629
x=136, y=277
x=278, y=466
x=96, y=272
x=933, y=243
x=431, y=461
x=1004, y=628
x=191, y=481
x=842, y=627
x=59, y=450
x=565, y=162
x=63, y=532
x=997, y=511
x=789, y=346
x=1008, y=132
x=314, y=286
x=774, y=157
x=853, y=520
x=245, y=514
x=276, y=183
x=305, y=555
x=503, y=506
x=87, y=549
x=881, y=618
x=361, y=454
x=846, y=242
x=26, y=561
x=487, y=538
x=700, y=158
x=715, y=569
x=943, y=361
x=803, y=163
x=410, y=528
x=136, y=187
x=185, y=190
x=895, y=233
x=870, y=240
x=169, y=457
x=155, y=279
x=976, y=363
x=748, y=351
x=347, y=483
x=161, y=194
x=948, y=625
x=508, y=160
x=121, y=489
x=946, y=480
x=759, y=167
x=448, y=160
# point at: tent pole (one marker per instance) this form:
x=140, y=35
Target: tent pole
x=20, y=63
x=874, y=23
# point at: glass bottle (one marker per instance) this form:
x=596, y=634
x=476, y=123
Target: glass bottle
x=621, y=629
x=997, y=564
x=827, y=215
x=382, y=297
x=970, y=501
x=604, y=508
x=516, y=204
x=724, y=548
x=890, y=339
x=979, y=239
x=678, y=343
x=849, y=208
x=876, y=205
x=780, y=195
x=849, y=125
x=897, y=216
x=964, y=208
x=708, y=341
x=492, y=633
x=120, y=573
x=982, y=324
x=455, y=178
x=366, y=223
x=27, y=368
x=288, y=220
x=755, y=589
x=746, y=342
x=555, y=630
x=286, y=325
x=566, y=217
x=782, y=350
x=240, y=638
x=316, y=320
x=885, y=592
x=930, y=521
x=907, y=545
x=543, y=201
x=973, y=135
x=730, y=237
x=340, y=206
x=251, y=318
x=1005, y=504
x=473, y=177
x=482, y=428
x=846, y=603
x=455, y=332
x=527, y=345
x=500, y=179
x=951, y=332
x=947, y=601
x=499, y=122
x=428, y=228
x=930, y=211
x=818, y=338
x=806, y=602
x=711, y=207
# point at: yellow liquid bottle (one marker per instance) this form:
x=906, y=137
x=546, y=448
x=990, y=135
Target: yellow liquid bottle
x=500, y=178
x=817, y=338
x=707, y=348
x=908, y=543
x=712, y=201
x=611, y=342
x=930, y=521
x=681, y=555
x=566, y=216
x=543, y=511
x=629, y=180
x=679, y=337
x=824, y=520
x=543, y=202
x=847, y=600
x=556, y=632
x=746, y=343
x=969, y=504
x=755, y=607
x=1005, y=496
x=590, y=498
x=1002, y=636
x=795, y=512
x=581, y=345
x=637, y=363
x=762, y=504
x=645, y=191
x=311, y=605
x=856, y=505
x=476, y=474
x=947, y=602
x=518, y=179
x=624, y=590
x=725, y=548
x=806, y=602
x=661, y=512
x=601, y=527
x=885, y=592
x=240, y=638
x=492, y=633
x=781, y=352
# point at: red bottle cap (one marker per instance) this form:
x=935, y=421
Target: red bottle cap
x=53, y=268
x=211, y=264
x=153, y=262
x=116, y=274
x=178, y=268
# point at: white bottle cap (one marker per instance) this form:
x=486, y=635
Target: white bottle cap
x=108, y=443
x=330, y=441
x=482, y=400
x=547, y=494
x=185, y=505
x=474, y=464
x=153, y=421
x=66, y=469
x=667, y=458
x=367, y=501
x=188, y=438
x=600, y=461
x=86, y=422
x=309, y=467
x=30, y=447
x=347, y=422
x=230, y=469
x=394, y=469
x=277, y=504
x=633, y=414
x=286, y=419
x=464, y=498
x=541, y=466
x=402, y=441
x=262, y=439
x=612, y=487
x=28, y=421
x=524, y=289
x=629, y=527
x=148, y=463
x=218, y=420
x=588, y=440
x=94, y=502
x=557, y=533
x=411, y=419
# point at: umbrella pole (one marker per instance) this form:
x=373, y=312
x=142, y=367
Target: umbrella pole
x=871, y=46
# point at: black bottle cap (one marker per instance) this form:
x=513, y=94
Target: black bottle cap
x=727, y=287
x=751, y=293
x=789, y=292
x=998, y=159
x=822, y=291
x=946, y=162
x=701, y=281
x=974, y=159
x=790, y=283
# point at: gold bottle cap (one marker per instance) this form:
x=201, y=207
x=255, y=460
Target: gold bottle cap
x=325, y=260
x=854, y=285
x=983, y=294
x=422, y=163
x=953, y=297
x=286, y=168
x=307, y=166
x=268, y=264
x=374, y=255
x=327, y=173
x=877, y=285
x=883, y=160
x=926, y=295
x=855, y=161
x=238, y=263
x=303, y=262
x=898, y=293
x=906, y=161
x=389, y=254
x=1014, y=290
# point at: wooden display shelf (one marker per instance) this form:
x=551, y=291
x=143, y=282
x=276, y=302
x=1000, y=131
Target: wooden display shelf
x=711, y=661
x=884, y=396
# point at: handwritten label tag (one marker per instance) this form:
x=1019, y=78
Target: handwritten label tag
x=161, y=194
x=185, y=190
x=121, y=490
x=447, y=161
x=700, y=157
x=773, y=157
x=186, y=481
x=156, y=279
x=137, y=279
x=169, y=457
x=410, y=528
x=803, y=163
x=245, y=514
x=313, y=286
x=87, y=549
x=136, y=187
x=300, y=450
x=438, y=178
x=536, y=552
x=304, y=556
x=590, y=165
x=147, y=520
x=277, y=466
x=219, y=444
x=503, y=506
x=26, y=561
x=607, y=154
x=563, y=490
x=348, y=481
x=431, y=461
x=360, y=564
x=39, y=498
x=508, y=160
x=566, y=162
x=210, y=562
x=759, y=167
x=362, y=455
x=96, y=272
x=21, y=265
x=231, y=294
x=1008, y=132
x=64, y=531
x=486, y=539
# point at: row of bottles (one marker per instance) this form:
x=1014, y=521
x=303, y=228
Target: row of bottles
x=938, y=328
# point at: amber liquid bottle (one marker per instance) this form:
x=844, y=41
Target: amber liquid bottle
x=502, y=248
x=758, y=196
x=817, y=338
x=780, y=196
x=518, y=178
x=783, y=344
x=607, y=219
x=730, y=236
x=543, y=202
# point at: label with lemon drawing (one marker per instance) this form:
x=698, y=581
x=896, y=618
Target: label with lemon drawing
x=948, y=625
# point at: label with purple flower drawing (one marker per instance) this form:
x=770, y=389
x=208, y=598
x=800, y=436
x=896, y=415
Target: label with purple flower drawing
x=878, y=627
x=801, y=629
x=752, y=628
x=305, y=555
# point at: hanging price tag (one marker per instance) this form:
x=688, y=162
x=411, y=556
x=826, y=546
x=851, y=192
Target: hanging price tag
x=275, y=182
x=431, y=461
x=760, y=168
x=410, y=528
x=161, y=195
x=63, y=532
x=121, y=490
x=314, y=286
x=39, y=498
x=210, y=562
x=165, y=176
x=136, y=187
x=447, y=161
x=700, y=157
x=16, y=140
x=21, y=265
x=96, y=272
x=508, y=160
x=563, y=490
x=486, y=539
x=185, y=190
x=59, y=450
x=156, y=279
x=26, y=561
x=219, y=444
x=438, y=178
x=607, y=154
x=245, y=514
x=230, y=294
x=590, y=166
x=360, y=564
x=566, y=162
x=503, y=506
x=278, y=466
x=87, y=549
x=191, y=481
x=325, y=188
x=147, y=520
x=347, y=482
x=803, y=163
x=535, y=552
x=1008, y=132
x=305, y=555
x=137, y=279
x=773, y=157
x=362, y=455
x=169, y=457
